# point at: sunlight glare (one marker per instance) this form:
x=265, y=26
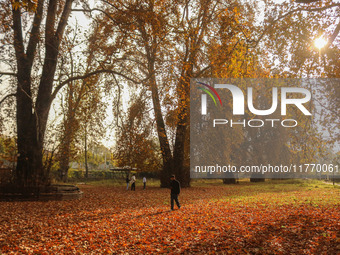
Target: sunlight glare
x=320, y=42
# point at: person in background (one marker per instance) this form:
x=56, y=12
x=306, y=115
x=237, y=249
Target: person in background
x=144, y=182
x=175, y=190
x=133, y=182
x=127, y=182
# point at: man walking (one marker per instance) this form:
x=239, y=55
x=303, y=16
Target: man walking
x=175, y=190
x=144, y=182
x=133, y=182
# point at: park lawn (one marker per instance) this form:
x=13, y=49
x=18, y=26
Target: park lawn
x=276, y=217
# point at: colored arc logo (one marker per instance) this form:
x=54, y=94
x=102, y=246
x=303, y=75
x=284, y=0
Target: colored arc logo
x=209, y=93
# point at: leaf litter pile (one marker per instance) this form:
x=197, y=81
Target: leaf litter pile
x=248, y=218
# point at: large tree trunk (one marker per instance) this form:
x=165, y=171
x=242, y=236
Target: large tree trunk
x=32, y=119
x=182, y=136
x=182, y=172
x=182, y=131
x=30, y=138
x=29, y=171
x=168, y=167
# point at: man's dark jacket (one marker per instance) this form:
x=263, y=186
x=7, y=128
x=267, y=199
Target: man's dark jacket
x=175, y=187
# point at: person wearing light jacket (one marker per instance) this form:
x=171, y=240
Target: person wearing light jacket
x=133, y=182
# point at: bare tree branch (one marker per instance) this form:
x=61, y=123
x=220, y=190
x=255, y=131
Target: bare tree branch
x=306, y=1
x=326, y=107
x=333, y=36
x=50, y=21
x=18, y=38
x=34, y=38
x=63, y=20
x=81, y=77
x=99, y=10
x=289, y=13
x=7, y=73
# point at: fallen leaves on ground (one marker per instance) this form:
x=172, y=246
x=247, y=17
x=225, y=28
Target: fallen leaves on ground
x=235, y=219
